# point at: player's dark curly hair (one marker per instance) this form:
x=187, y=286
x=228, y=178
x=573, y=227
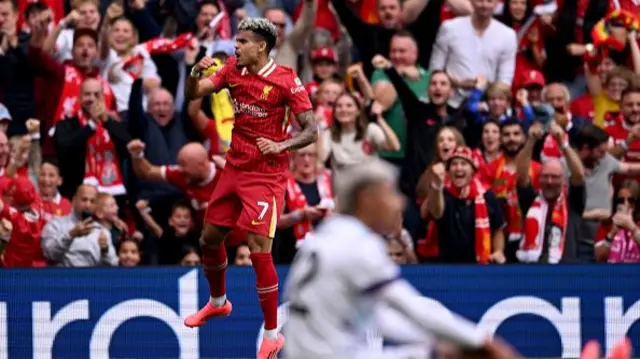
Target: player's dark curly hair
x=261, y=27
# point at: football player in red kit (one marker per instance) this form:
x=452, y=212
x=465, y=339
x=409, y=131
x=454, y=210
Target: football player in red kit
x=250, y=193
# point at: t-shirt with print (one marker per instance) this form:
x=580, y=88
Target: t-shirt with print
x=121, y=80
x=394, y=115
x=601, y=105
x=598, y=183
x=348, y=152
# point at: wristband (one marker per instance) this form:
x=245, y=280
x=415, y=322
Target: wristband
x=436, y=187
x=194, y=72
x=140, y=155
x=62, y=23
x=298, y=215
x=35, y=136
x=565, y=145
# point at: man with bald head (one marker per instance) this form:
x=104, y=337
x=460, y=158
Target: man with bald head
x=552, y=225
x=92, y=144
x=77, y=240
x=194, y=174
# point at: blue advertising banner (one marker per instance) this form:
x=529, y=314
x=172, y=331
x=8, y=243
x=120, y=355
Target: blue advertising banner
x=545, y=311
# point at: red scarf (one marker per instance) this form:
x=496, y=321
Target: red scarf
x=531, y=248
x=69, y=104
x=102, y=168
x=158, y=45
x=297, y=201
x=551, y=148
x=483, y=230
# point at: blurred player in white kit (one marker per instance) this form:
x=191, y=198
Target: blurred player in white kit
x=342, y=278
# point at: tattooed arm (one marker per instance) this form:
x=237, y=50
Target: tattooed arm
x=307, y=136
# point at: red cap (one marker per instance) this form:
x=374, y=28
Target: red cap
x=465, y=153
x=532, y=78
x=324, y=53
x=22, y=191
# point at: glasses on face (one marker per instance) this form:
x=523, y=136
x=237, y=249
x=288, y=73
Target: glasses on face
x=281, y=25
x=626, y=199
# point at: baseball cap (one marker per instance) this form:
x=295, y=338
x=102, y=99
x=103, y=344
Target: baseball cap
x=85, y=31
x=4, y=113
x=324, y=53
x=23, y=192
x=532, y=78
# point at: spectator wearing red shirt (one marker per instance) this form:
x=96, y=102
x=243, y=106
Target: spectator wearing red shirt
x=324, y=64
x=26, y=7
x=583, y=105
x=49, y=179
x=24, y=213
x=519, y=15
x=533, y=81
x=624, y=128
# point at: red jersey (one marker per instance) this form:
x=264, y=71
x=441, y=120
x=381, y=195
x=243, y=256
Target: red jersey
x=501, y=180
x=199, y=194
x=24, y=244
x=212, y=138
x=618, y=130
x=262, y=103
x=583, y=106
x=56, y=207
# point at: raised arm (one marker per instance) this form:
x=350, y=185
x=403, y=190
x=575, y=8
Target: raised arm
x=436, y=204
x=142, y=168
x=573, y=160
x=197, y=87
x=303, y=27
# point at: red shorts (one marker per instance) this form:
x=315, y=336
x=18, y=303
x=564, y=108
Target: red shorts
x=251, y=201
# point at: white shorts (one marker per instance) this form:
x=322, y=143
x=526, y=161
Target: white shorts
x=399, y=352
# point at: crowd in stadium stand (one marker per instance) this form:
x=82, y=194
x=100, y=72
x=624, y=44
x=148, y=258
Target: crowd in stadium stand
x=514, y=127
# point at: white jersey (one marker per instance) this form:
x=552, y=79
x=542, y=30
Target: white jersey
x=329, y=289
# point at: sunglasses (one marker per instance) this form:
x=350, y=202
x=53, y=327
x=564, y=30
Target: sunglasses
x=622, y=200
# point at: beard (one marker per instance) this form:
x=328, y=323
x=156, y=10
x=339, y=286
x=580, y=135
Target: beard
x=510, y=150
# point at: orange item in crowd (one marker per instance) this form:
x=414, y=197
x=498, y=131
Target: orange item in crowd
x=602, y=34
x=368, y=11
x=57, y=6
x=325, y=18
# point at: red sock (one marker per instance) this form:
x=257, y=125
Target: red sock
x=267, y=286
x=214, y=262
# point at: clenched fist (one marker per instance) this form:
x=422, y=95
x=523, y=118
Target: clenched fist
x=33, y=125
x=536, y=131
x=136, y=148
x=204, y=64
x=439, y=172
x=380, y=62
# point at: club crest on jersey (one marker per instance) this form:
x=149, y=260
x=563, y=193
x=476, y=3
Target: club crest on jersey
x=266, y=91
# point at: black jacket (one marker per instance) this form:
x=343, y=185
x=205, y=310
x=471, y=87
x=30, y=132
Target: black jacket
x=71, y=143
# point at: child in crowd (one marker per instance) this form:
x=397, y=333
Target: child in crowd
x=179, y=231
x=324, y=64
x=107, y=215
x=190, y=256
x=129, y=253
x=53, y=204
x=498, y=103
x=243, y=255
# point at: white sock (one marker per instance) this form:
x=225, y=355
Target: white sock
x=218, y=301
x=271, y=334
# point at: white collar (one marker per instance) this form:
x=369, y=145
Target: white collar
x=265, y=71
x=212, y=175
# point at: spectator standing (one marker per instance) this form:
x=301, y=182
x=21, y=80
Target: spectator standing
x=489, y=148
x=49, y=180
x=403, y=54
x=309, y=199
x=500, y=176
x=606, y=96
x=17, y=74
x=125, y=61
x=289, y=45
x=93, y=145
x=477, y=45
x=618, y=240
x=163, y=130
x=76, y=240
x=468, y=217
x=552, y=226
x=61, y=41
x=353, y=137
x=591, y=145
x=624, y=128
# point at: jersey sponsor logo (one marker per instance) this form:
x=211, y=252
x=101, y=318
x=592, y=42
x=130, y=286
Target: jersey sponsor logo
x=232, y=85
x=249, y=109
x=297, y=81
x=266, y=91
